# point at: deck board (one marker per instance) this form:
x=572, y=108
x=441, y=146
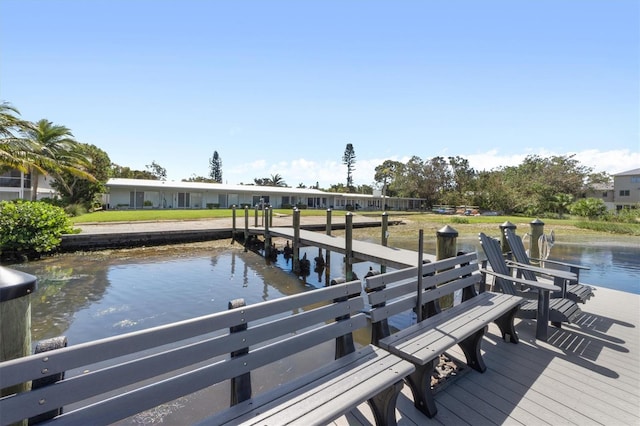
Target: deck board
x=586, y=373
x=362, y=250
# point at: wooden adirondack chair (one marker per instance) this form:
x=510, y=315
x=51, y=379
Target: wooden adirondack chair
x=572, y=288
x=538, y=305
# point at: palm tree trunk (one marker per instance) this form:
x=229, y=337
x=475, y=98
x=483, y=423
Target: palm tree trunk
x=34, y=184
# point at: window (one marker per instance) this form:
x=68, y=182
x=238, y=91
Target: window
x=624, y=193
x=635, y=179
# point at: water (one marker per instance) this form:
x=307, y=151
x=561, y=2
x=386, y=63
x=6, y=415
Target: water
x=94, y=295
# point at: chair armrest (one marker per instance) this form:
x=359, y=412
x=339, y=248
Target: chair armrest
x=540, y=285
x=557, y=262
x=546, y=271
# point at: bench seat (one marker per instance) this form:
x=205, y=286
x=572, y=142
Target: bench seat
x=437, y=330
x=323, y=395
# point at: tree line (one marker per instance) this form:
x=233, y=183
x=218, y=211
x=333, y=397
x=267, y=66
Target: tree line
x=79, y=172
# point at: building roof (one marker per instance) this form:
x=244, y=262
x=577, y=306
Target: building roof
x=201, y=186
x=629, y=173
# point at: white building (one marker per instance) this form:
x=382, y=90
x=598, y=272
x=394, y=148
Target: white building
x=17, y=185
x=140, y=193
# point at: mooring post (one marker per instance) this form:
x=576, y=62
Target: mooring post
x=295, y=244
x=344, y=343
x=327, y=262
x=267, y=235
x=419, y=315
x=246, y=227
x=233, y=223
x=384, y=240
x=255, y=217
x=537, y=229
x=240, y=385
x=348, y=246
x=503, y=238
x=15, y=319
x=446, y=247
x=271, y=216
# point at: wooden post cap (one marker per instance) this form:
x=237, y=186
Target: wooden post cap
x=15, y=284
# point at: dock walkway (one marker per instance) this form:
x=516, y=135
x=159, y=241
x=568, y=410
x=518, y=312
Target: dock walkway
x=362, y=250
x=587, y=373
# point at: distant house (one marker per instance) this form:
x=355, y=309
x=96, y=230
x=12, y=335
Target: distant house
x=626, y=189
x=15, y=184
x=604, y=192
x=141, y=193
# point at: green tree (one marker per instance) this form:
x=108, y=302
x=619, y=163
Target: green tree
x=349, y=159
x=54, y=151
x=215, y=167
x=78, y=190
x=274, y=180
x=157, y=170
x=385, y=174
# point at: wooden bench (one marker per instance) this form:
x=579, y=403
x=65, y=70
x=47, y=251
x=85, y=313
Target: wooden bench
x=438, y=330
x=131, y=373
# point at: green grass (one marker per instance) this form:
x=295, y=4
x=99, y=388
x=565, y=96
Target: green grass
x=153, y=215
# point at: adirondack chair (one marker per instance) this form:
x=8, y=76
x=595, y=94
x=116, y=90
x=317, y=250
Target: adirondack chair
x=572, y=288
x=538, y=304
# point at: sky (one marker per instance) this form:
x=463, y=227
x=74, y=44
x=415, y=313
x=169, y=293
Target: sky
x=281, y=87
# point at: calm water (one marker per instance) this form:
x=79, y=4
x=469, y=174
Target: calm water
x=94, y=295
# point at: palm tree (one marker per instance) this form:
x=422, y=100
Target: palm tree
x=13, y=149
x=54, y=151
x=276, y=180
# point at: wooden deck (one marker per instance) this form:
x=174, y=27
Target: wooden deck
x=586, y=374
x=362, y=250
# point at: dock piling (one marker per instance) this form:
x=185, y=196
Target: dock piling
x=503, y=238
x=348, y=246
x=537, y=229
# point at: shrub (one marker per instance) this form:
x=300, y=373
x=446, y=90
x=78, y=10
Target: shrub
x=457, y=219
x=75, y=210
x=31, y=228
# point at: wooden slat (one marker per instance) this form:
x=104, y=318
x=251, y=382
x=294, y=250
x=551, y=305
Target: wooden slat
x=24, y=369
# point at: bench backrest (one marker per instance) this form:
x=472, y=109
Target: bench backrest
x=275, y=329
x=395, y=292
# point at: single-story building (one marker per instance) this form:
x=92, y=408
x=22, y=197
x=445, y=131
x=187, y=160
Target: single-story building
x=141, y=193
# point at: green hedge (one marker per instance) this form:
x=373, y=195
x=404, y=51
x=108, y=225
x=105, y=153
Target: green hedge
x=31, y=228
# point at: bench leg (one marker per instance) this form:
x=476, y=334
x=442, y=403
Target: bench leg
x=507, y=327
x=383, y=405
x=471, y=348
x=420, y=384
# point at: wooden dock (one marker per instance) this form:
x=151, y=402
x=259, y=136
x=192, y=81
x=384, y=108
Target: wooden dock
x=586, y=374
x=362, y=250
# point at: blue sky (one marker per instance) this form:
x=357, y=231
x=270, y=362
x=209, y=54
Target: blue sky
x=282, y=86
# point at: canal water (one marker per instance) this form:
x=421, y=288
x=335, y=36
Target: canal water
x=92, y=295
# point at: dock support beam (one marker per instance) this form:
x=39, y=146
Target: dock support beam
x=246, y=227
x=384, y=240
x=295, y=244
x=537, y=229
x=233, y=223
x=348, y=246
x=503, y=238
x=267, y=235
x=327, y=262
x=446, y=247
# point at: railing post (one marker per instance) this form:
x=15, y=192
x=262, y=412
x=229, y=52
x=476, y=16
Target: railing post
x=327, y=263
x=384, y=240
x=15, y=319
x=537, y=229
x=240, y=385
x=348, y=246
x=504, y=244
